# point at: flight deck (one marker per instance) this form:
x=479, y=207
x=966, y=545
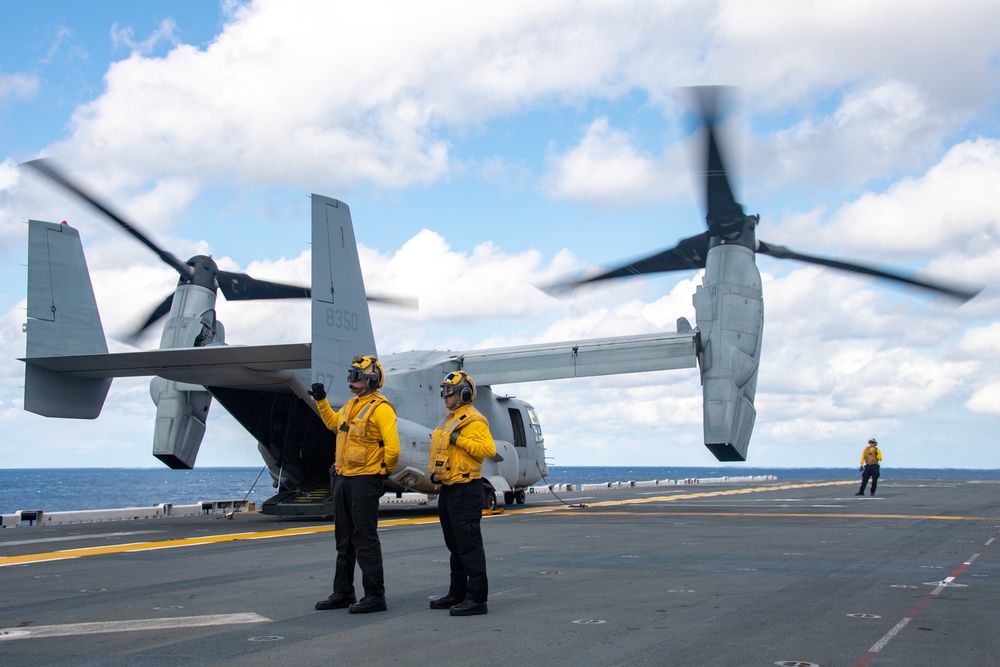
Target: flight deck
x=763, y=573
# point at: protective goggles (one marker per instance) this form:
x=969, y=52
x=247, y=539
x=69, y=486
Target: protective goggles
x=452, y=383
x=361, y=368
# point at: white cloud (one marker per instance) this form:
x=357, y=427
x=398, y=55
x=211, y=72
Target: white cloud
x=986, y=400
x=9, y=174
x=883, y=129
x=981, y=341
x=605, y=168
x=275, y=100
x=785, y=51
x=17, y=86
x=949, y=208
x=125, y=36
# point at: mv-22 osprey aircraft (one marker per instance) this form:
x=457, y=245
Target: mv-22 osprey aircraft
x=68, y=369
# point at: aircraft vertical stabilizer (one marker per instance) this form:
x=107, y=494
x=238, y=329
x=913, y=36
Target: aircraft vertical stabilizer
x=62, y=320
x=341, y=323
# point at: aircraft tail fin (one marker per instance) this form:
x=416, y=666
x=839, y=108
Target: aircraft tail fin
x=62, y=320
x=341, y=323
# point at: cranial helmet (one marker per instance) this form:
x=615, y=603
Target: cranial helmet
x=459, y=381
x=366, y=367
x=873, y=441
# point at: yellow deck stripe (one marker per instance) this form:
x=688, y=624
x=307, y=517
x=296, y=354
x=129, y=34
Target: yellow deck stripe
x=186, y=542
x=683, y=496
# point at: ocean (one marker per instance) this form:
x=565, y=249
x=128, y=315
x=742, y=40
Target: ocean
x=69, y=489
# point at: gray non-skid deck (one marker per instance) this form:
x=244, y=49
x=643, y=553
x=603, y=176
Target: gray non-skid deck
x=740, y=574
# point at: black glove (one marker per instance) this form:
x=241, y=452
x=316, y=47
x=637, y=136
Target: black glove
x=454, y=437
x=861, y=468
x=318, y=391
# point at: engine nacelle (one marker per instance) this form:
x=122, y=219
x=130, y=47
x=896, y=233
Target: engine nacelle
x=730, y=313
x=180, y=422
x=181, y=409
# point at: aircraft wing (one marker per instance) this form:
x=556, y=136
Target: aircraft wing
x=245, y=366
x=216, y=365
x=584, y=358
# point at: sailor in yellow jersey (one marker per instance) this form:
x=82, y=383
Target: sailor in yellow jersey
x=871, y=460
x=367, y=452
x=458, y=446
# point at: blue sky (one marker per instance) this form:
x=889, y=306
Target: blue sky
x=485, y=149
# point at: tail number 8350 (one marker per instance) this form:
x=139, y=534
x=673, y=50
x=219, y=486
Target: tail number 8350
x=341, y=319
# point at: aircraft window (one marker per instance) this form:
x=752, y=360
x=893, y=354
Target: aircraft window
x=535, y=425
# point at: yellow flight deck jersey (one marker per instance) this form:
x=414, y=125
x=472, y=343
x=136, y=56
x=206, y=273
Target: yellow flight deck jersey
x=367, y=440
x=871, y=455
x=463, y=461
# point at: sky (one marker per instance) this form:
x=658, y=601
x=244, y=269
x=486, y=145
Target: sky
x=487, y=148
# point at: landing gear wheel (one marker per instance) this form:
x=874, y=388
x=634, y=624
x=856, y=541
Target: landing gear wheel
x=508, y=497
x=519, y=497
x=489, y=499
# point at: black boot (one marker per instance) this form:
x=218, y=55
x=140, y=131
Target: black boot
x=368, y=604
x=446, y=601
x=468, y=608
x=337, y=601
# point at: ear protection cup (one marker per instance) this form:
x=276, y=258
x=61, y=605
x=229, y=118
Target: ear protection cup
x=365, y=366
x=459, y=382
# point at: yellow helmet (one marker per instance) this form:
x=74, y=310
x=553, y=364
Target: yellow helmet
x=459, y=381
x=366, y=366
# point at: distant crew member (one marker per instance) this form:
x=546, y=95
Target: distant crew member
x=871, y=459
x=458, y=446
x=367, y=452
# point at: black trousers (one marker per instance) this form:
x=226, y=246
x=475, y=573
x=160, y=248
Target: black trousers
x=871, y=471
x=355, y=529
x=460, y=509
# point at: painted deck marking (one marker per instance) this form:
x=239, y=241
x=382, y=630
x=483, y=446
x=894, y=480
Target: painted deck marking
x=942, y=585
x=70, y=538
x=73, y=629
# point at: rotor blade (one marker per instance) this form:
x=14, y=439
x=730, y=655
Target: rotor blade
x=953, y=290
x=720, y=205
x=688, y=254
x=401, y=301
x=241, y=287
x=157, y=313
x=47, y=168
